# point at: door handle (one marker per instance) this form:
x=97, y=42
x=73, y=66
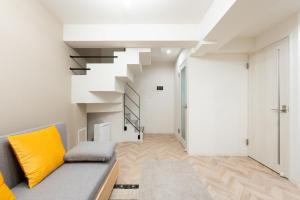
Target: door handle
x=284, y=109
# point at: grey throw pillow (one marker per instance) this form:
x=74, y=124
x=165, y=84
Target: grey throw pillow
x=91, y=151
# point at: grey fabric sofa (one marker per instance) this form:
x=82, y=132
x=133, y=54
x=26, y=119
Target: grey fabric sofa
x=71, y=181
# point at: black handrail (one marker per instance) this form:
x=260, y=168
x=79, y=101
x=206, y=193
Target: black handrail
x=133, y=90
x=79, y=69
x=83, y=68
x=93, y=56
x=132, y=112
x=132, y=124
x=124, y=113
x=132, y=101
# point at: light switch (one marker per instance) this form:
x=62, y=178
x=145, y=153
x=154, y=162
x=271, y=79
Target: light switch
x=160, y=87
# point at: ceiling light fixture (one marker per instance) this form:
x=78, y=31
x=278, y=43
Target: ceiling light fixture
x=168, y=51
x=127, y=4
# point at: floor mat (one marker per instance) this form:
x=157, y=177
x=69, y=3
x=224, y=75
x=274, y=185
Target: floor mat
x=125, y=192
x=170, y=179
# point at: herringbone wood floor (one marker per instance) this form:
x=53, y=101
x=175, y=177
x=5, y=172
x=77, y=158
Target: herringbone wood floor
x=225, y=177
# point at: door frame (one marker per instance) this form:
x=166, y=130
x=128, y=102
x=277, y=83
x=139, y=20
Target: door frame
x=283, y=168
x=183, y=142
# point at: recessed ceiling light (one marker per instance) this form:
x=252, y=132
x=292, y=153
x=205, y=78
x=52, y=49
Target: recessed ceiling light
x=168, y=51
x=127, y=4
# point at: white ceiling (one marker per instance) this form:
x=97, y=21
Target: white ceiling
x=278, y=11
x=160, y=55
x=128, y=11
x=246, y=20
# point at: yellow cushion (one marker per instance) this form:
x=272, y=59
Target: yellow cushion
x=5, y=193
x=39, y=153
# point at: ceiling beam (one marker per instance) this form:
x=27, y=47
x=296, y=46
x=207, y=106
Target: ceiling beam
x=131, y=35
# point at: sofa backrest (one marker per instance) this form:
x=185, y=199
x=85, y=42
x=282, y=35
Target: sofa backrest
x=9, y=165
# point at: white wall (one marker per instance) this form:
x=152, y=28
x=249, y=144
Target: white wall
x=157, y=107
x=217, y=105
x=35, y=77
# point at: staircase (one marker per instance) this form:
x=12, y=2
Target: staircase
x=104, y=88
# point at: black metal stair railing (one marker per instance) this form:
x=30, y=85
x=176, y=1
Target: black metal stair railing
x=136, y=122
x=83, y=68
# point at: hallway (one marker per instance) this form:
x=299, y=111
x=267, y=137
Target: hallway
x=226, y=177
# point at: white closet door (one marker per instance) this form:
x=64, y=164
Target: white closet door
x=268, y=92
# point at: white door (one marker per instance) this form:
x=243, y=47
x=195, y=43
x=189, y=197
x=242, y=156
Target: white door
x=268, y=106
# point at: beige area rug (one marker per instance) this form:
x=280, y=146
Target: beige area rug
x=124, y=194
x=176, y=180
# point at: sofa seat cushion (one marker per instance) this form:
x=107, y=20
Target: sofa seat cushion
x=80, y=181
